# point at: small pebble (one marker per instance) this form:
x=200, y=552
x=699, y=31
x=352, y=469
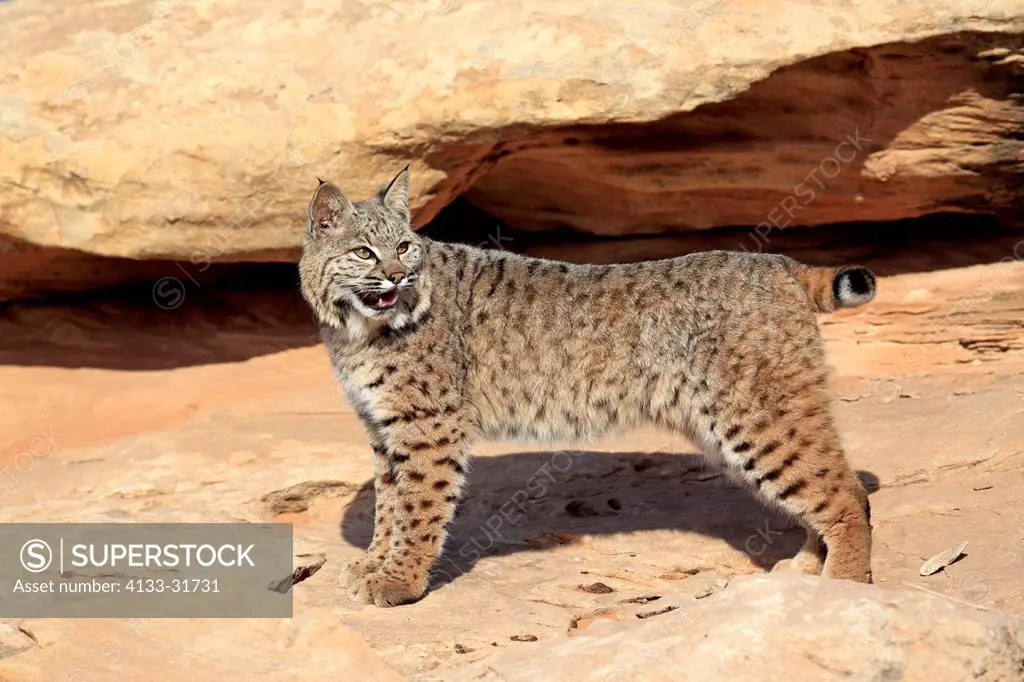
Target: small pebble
x=943, y=559
x=648, y=614
x=706, y=592
x=596, y=588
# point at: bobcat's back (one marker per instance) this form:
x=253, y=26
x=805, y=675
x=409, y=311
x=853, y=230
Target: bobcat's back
x=557, y=351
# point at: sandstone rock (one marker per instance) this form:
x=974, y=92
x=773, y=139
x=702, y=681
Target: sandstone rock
x=13, y=641
x=188, y=131
x=785, y=628
x=312, y=646
x=878, y=133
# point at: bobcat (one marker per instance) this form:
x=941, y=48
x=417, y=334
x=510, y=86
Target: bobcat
x=439, y=345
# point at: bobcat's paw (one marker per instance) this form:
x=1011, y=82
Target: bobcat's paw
x=358, y=568
x=801, y=563
x=381, y=589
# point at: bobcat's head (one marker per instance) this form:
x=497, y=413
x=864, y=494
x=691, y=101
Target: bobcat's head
x=364, y=259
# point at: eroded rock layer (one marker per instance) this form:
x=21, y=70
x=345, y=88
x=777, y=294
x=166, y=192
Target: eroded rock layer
x=193, y=131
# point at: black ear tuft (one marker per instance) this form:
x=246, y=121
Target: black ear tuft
x=396, y=195
x=321, y=181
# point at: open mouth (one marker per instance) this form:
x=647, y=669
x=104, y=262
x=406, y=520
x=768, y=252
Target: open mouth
x=379, y=300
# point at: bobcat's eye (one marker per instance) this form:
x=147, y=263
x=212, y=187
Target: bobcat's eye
x=363, y=252
x=403, y=247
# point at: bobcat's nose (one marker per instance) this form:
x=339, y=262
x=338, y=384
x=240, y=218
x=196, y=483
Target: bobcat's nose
x=394, y=272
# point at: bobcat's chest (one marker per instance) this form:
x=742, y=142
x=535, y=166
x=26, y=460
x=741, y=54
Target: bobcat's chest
x=365, y=384
x=359, y=370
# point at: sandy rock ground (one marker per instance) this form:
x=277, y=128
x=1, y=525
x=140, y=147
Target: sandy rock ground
x=778, y=628
x=224, y=409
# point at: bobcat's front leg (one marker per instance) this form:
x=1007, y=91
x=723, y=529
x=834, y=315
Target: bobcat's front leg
x=384, y=511
x=428, y=475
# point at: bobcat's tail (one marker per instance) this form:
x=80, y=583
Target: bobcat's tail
x=831, y=288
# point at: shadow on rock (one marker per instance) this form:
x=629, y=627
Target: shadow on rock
x=534, y=501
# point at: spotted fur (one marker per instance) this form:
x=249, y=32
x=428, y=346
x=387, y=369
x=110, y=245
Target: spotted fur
x=720, y=346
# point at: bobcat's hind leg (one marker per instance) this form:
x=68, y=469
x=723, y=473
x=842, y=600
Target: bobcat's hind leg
x=845, y=525
x=810, y=559
x=797, y=465
x=784, y=446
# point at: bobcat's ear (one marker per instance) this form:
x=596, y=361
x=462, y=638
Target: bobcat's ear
x=395, y=196
x=329, y=209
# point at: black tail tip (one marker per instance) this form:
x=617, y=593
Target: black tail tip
x=854, y=286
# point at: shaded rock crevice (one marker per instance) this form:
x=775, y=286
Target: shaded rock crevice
x=881, y=133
